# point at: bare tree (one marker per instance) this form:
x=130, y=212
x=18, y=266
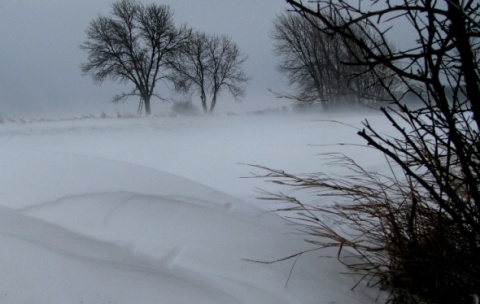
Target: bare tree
x=190, y=70
x=135, y=44
x=322, y=66
x=208, y=65
x=419, y=232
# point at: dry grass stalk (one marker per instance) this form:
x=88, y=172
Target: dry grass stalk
x=384, y=228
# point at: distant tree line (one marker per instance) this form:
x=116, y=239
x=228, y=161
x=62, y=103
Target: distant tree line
x=323, y=67
x=140, y=44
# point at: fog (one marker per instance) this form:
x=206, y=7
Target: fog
x=40, y=57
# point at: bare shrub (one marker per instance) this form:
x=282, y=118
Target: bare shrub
x=184, y=108
x=417, y=230
x=387, y=230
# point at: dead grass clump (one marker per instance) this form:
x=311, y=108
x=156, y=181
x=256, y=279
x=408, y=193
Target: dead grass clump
x=388, y=230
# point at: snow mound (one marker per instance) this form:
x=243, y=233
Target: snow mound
x=88, y=229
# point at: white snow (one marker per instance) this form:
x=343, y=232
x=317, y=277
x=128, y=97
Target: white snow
x=155, y=210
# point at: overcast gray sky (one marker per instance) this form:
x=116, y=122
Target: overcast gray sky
x=40, y=58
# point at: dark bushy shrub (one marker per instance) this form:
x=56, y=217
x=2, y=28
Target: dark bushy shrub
x=184, y=108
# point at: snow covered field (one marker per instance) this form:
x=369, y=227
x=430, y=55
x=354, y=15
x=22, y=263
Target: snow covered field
x=155, y=210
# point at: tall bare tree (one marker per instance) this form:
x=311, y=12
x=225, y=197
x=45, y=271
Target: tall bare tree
x=191, y=70
x=208, y=65
x=417, y=232
x=135, y=44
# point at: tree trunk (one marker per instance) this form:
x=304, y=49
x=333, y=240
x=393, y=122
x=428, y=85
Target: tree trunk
x=146, y=101
x=464, y=48
x=203, y=96
x=214, y=102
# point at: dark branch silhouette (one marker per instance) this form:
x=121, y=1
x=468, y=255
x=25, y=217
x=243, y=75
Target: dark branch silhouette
x=416, y=231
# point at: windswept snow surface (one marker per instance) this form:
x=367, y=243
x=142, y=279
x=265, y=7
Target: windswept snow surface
x=155, y=210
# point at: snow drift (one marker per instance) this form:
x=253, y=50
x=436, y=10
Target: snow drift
x=154, y=211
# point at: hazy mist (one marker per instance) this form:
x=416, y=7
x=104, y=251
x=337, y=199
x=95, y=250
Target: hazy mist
x=40, y=58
